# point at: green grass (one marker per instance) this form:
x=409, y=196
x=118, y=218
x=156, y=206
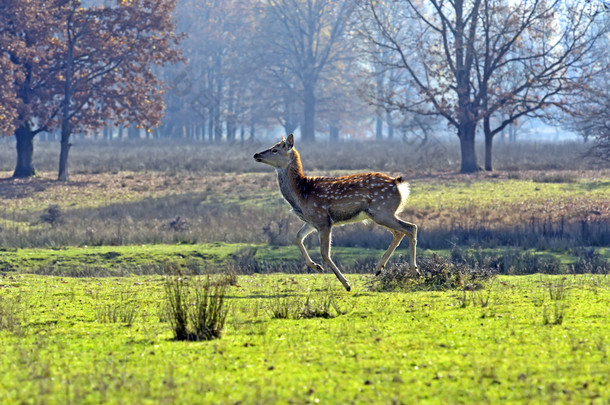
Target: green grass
x=409, y=347
x=487, y=193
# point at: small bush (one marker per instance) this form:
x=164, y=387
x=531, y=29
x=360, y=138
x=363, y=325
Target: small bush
x=554, y=316
x=52, y=215
x=590, y=261
x=277, y=232
x=436, y=273
x=196, y=305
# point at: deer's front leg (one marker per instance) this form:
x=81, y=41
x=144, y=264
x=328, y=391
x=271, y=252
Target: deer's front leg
x=325, y=251
x=305, y=230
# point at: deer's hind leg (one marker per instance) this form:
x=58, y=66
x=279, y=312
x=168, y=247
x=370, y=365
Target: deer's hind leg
x=399, y=226
x=386, y=256
x=325, y=251
x=305, y=230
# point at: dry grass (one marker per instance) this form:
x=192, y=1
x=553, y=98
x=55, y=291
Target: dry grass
x=159, y=192
x=102, y=189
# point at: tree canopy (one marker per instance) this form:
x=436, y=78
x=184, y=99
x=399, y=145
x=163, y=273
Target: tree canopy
x=80, y=68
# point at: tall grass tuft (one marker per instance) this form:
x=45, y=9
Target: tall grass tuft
x=558, y=293
x=323, y=303
x=196, y=306
x=11, y=313
x=122, y=311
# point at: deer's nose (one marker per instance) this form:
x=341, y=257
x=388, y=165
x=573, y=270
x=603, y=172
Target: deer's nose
x=257, y=157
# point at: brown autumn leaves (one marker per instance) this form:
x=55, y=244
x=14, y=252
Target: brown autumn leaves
x=83, y=66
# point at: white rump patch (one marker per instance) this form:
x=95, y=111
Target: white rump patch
x=404, y=190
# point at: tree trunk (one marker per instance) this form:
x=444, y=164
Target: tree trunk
x=217, y=124
x=378, y=120
x=466, y=133
x=309, y=113
x=488, y=143
x=378, y=127
x=390, y=123
x=512, y=133
x=63, y=154
x=211, y=126
x=333, y=133
x=25, y=151
x=132, y=133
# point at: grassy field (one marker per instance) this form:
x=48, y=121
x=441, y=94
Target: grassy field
x=83, y=264
x=528, y=339
x=556, y=210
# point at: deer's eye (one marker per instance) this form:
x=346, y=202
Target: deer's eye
x=274, y=150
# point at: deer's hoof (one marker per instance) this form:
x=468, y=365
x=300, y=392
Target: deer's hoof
x=315, y=266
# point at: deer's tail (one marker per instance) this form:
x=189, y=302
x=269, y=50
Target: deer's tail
x=404, y=190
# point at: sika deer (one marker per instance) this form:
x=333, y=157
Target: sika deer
x=323, y=202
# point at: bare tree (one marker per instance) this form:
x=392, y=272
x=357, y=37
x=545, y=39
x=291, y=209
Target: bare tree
x=589, y=114
x=306, y=36
x=458, y=54
x=534, y=59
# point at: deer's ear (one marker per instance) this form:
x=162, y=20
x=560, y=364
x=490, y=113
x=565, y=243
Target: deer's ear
x=290, y=141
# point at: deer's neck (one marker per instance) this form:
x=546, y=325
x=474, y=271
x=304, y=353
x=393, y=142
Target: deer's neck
x=293, y=183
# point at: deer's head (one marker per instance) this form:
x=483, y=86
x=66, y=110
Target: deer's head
x=279, y=155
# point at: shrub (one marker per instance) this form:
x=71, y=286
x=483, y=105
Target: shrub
x=436, y=273
x=590, y=261
x=283, y=306
x=196, y=305
x=52, y=215
x=558, y=293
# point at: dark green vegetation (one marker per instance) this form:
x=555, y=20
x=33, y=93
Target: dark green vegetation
x=539, y=339
x=104, y=261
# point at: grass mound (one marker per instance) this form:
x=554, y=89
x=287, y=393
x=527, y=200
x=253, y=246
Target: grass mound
x=436, y=273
